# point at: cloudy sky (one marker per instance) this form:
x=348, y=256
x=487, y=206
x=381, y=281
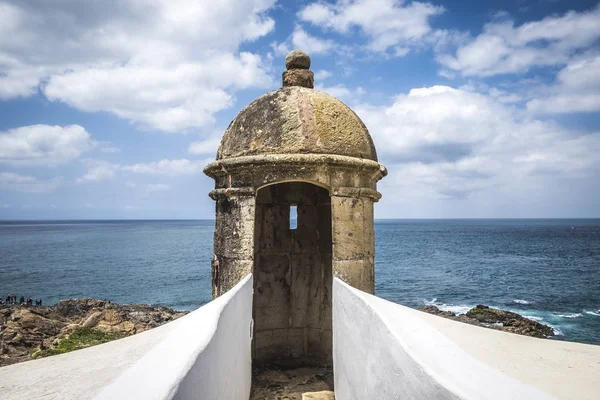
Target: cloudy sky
x=111, y=108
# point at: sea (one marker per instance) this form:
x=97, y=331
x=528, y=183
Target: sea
x=544, y=269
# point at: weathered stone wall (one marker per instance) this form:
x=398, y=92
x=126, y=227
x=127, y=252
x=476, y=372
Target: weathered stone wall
x=352, y=184
x=234, y=240
x=354, y=241
x=293, y=275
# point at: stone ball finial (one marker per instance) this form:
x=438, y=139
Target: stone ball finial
x=297, y=59
x=297, y=64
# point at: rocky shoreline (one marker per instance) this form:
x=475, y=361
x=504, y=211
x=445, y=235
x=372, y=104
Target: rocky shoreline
x=28, y=332
x=494, y=318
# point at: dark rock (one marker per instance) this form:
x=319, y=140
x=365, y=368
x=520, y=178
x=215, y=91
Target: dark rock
x=77, y=307
x=511, y=322
x=436, y=311
x=494, y=318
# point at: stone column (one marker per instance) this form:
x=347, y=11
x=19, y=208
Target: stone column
x=353, y=239
x=234, y=238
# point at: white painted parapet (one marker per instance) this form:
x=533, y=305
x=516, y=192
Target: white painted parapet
x=203, y=355
x=382, y=350
x=208, y=357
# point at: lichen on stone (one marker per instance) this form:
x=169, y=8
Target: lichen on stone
x=297, y=120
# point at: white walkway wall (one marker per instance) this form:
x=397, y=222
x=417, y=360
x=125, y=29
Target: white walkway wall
x=203, y=355
x=207, y=358
x=382, y=350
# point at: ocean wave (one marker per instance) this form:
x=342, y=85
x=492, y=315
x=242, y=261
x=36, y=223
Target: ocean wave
x=596, y=313
x=557, y=332
x=569, y=315
x=533, y=317
x=430, y=302
x=519, y=301
x=454, y=308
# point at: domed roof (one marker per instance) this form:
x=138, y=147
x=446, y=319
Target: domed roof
x=294, y=120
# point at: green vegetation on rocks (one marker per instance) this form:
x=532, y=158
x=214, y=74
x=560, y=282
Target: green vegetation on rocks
x=80, y=338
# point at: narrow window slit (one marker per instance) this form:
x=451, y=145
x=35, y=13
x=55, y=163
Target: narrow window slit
x=293, y=217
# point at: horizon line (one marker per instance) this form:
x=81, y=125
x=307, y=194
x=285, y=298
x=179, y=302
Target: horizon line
x=213, y=219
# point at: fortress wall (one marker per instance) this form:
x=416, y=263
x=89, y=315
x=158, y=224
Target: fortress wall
x=79, y=374
x=207, y=357
x=203, y=355
x=382, y=350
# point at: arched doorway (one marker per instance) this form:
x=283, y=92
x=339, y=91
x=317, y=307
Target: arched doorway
x=292, y=275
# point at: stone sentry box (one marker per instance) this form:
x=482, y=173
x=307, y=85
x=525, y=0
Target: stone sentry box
x=294, y=147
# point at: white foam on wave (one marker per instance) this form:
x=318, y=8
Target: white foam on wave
x=596, y=313
x=430, y=302
x=557, y=332
x=569, y=315
x=533, y=318
x=456, y=309
x=519, y=301
x=462, y=309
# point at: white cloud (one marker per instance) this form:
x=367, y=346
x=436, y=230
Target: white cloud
x=310, y=44
x=446, y=74
x=300, y=39
x=322, y=74
x=43, y=144
x=504, y=96
x=26, y=183
x=207, y=146
x=167, y=167
x=98, y=170
x=504, y=48
x=170, y=100
x=164, y=64
x=386, y=23
x=106, y=147
x=566, y=103
x=577, y=89
x=451, y=143
x=281, y=49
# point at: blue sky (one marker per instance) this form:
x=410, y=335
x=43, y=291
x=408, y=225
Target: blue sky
x=111, y=108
